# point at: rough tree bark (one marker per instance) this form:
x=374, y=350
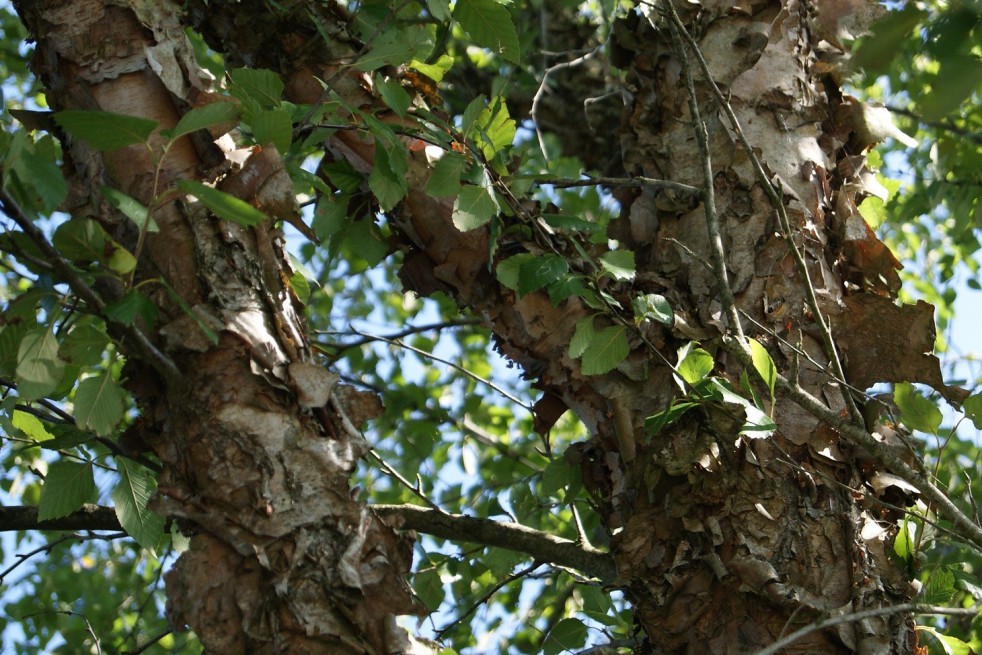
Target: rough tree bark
x=723, y=542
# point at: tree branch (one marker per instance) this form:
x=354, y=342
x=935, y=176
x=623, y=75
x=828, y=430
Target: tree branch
x=513, y=536
x=542, y=546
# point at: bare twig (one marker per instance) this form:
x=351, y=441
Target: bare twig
x=640, y=180
x=409, y=331
x=708, y=190
x=914, y=608
x=456, y=367
x=517, y=575
x=541, y=91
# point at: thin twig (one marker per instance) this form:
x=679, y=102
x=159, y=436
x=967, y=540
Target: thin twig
x=946, y=125
x=409, y=331
x=518, y=575
x=708, y=190
x=542, y=90
x=456, y=367
x=640, y=180
x=862, y=616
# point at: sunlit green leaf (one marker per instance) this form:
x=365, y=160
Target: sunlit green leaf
x=695, y=364
x=223, y=204
x=764, y=365
x=619, y=264
x=654, y=307
x=31, y=426
x=916, y=411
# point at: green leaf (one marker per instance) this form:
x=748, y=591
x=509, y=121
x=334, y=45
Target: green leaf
x=366, y=242
x=764, y=365
x=199, y=118
x=39, y=369
x=104, y=130
x=445, y=178
x=566, y=286
x=429, y=587
x=258, y=84
x=473, y=208
x=436, y=70
x=494, y=129
x=44, y=177
x=222, y=204
x=129, y=307
x=657, y=422
x=694, y=365
x=540, y=271
x=330, y=216
x=973, y=409
x=940, y=587
x=393, y=95
x=84, y=345
x=130, y=497
x=80, y=240
x=99, y=404
x=905, y=543
x=273, y=126
x=916, y=411
x=507, y=271
x=653, y=306
x=490, y=25
x=607, y=349
x=31, y=426
x=439, y=9
x=67, y=487
x=132, y=208
x=619, y=264
x=572, y=223
x=950, y=645
x=582, y=336
x=960, y=76
x=388, y=179
x=395, y=47
x=343, y=176
x=557, y=475
x=566, y=635
x=874, y=53
x=120, y=260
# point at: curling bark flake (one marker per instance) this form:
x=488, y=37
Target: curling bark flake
x=255, y=439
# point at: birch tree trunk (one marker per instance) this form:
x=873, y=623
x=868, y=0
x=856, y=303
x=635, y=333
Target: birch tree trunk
x=725, y=538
